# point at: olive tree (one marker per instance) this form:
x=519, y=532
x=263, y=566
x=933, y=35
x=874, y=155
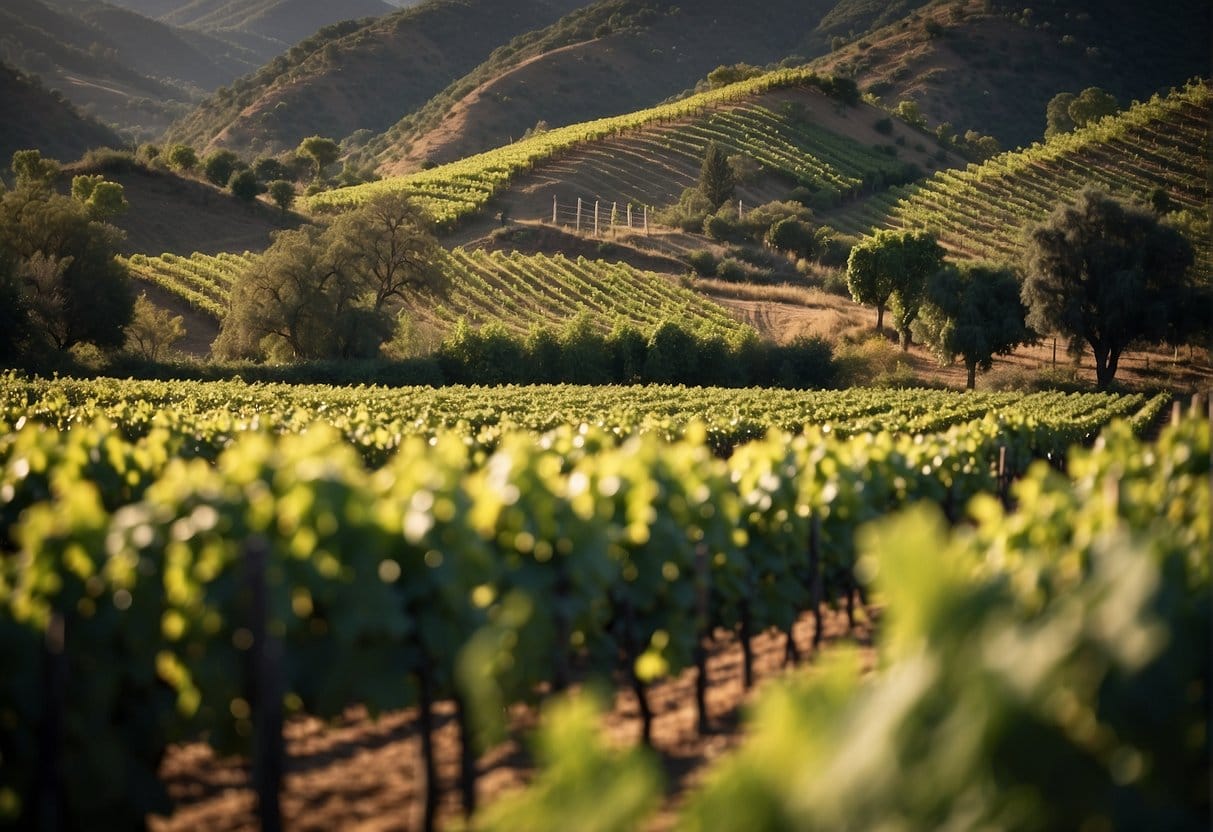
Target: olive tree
x=1107, y=273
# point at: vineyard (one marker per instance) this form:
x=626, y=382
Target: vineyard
x=679, y=130
x=514, y=290
x=179, y=550
x=980, y=212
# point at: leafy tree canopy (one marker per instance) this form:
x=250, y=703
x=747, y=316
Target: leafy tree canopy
x=973, y=312
x=1107, y=273
x=894, y=266
x=716, y=180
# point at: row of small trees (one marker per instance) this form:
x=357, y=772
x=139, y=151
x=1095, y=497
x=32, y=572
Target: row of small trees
x=1100, y=272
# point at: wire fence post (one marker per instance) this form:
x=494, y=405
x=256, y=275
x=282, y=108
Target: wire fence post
x=629, y=216
x=614, y=215
x=740, y=211
x=595, y=218
x=553, y=209
x=646, y=220
x=578, y=215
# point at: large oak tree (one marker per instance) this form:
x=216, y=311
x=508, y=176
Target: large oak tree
x=1107, y=273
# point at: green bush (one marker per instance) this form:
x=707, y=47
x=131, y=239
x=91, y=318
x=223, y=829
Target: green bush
x=703, y=262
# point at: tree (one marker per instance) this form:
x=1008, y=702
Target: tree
x=298, y=302
x=792, y=235
x=267, y=169
x=387, y=240
x=716, y=181
x=282, y=193
x=1057, y=114
x=1091, y=105
x=893, y=266
x=183, y=157
x=219, y=167
x=972, y=311
x=152, y=330
x=1107, y=273
x=62, y=267
x=103, y=199
x=325, y=293
x=31, y=169
x=244, y=185
x=322, y=152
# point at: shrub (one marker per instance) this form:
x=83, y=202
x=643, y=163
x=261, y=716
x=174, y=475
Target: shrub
x=703, y=262
x=884, y=125
x=732, y=270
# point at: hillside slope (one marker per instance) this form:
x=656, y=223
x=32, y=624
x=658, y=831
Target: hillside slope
x=349, y=77
x=286, y=21
x=47, y=121
x=992, y=65
x=785, y=121
x=981, y=212
x=124, y=68
x=611, y=57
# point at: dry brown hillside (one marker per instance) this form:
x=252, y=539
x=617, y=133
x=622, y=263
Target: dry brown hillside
x=992, y=66
x=360, y=77
x=658, y=55
x=46, y=121
x=169, y=213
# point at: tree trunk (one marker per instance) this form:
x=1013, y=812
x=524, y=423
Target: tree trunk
x=904, y=338
x=880, y=317
x=971, y=382
x=1102, y=376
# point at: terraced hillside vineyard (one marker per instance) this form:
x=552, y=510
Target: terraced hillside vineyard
x=514, y=290
x=982, y=211
x=801, y=152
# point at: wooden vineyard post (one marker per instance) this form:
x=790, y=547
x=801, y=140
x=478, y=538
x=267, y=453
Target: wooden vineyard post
x=578, y=215
x=740, y=212
x=614, y=215
x=266, y=691
x=815, y=591
x=595, y=218
x=646, y=220
x=1177, y=413
x=629, y=216
x=553, y=209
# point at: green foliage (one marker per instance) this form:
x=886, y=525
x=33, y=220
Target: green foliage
x=722, y=75
x=1106, y=273
x=71, y=288
x=1091, y=105
x=103, y=199
x=244, y=185
x=321, y=151
x=716, y=181
x=325, y=293
x=702, y=262
x=584, y=783
x=893, y=266
x=267, y=169
x=972, y=311
x=182, y=157
x=153, y=331
x=794, y=236
x=1057, y=114
x=30, y=169
x=219, y=167
x=907, y=110
x=282, y=193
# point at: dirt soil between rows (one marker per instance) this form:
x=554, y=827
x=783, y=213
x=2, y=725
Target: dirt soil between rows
x=359, y=773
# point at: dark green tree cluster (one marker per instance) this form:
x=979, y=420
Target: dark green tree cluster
x=1107, y=273
x=669, y=354
x=329, y=293
x=60, y=284
x=1066, y=111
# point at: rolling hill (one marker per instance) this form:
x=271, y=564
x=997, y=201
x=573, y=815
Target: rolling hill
x=981, y=212
x=993, y=66
x=47, y=121
x=349, y=77
x=785, y=121
x=122, y=67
